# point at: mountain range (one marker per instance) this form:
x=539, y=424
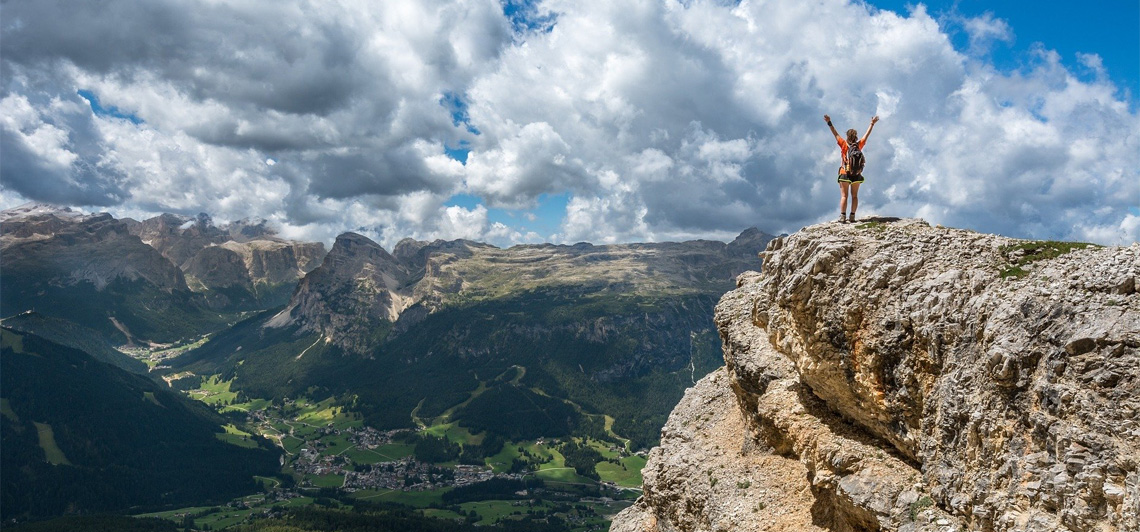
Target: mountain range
x=188, y=277
x=510, y=344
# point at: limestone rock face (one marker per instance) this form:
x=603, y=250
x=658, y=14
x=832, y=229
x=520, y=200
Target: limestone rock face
x=927, y=379
x=64, y=248
x=237, y=264
x=358, y=289
x=362, y=295
x=89, y=269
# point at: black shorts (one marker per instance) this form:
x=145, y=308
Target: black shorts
x=847, y=178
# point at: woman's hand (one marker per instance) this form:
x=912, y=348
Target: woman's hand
x=827, y=119
x=874, y=119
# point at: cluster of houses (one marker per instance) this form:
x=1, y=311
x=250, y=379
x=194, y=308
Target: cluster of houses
x=408, y=474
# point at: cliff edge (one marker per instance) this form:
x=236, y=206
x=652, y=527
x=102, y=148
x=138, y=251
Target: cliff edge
x=890, y=375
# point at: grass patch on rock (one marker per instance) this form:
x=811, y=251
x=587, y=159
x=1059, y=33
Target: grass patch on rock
x=1025, y=253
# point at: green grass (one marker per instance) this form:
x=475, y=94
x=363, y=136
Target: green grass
x=455, y=433
x=556, y=470
x=602, y=447
x=1014, y=271
x=6, y=411
x=223, y=519
x=326, y=481
x=292, y=445
x=630, y=477
x=382, y=453
x=542, y=450
x=918, y=506
x=13, y=341
x=52, y=452
x=871, y=225
x=236, y=436
x=335, y=444
x=249, y=406
x=171, y=514
x=1028, y=252
x=418, y=499
x=609, y=427
x=501, y=463
x=267, y=482
x=325, y=412
x=490, y=511
x=225, y=516
x=437, y=513
x=214, y=391
x=561, y=474
x=149, y=396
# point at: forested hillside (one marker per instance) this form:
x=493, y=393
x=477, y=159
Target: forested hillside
x=82, y=436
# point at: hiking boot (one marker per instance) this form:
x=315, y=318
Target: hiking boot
x=842, y=218
x=851, y=218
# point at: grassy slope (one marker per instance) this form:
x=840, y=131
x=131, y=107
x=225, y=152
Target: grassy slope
x=650, y=349
x=130, y=441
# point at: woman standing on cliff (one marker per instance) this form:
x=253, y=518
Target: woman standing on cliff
x=851, y=171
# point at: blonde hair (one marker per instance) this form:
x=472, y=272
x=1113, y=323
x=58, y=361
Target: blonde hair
x=852, y=135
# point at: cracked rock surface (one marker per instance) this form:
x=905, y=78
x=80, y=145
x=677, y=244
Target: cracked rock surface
x=891, y=375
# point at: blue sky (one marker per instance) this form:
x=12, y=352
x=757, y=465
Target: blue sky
x=518, y=121
x=1108, y=28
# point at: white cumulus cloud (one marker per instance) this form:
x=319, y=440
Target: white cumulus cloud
x=660, y=119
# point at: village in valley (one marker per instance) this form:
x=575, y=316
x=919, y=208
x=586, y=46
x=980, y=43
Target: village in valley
x=327, y=452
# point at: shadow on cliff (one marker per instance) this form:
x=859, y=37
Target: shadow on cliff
x=828, y=511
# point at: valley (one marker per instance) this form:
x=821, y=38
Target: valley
x=328, y=453
x=443, y=384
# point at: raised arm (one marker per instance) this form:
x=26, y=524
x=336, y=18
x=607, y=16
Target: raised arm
x=833, y=131
x=869, y=128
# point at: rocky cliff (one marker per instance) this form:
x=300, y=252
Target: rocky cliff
x=89, y=269
x=890, y=375
x=240, y=264
x=361, y=293
x=66, y=248
x=353, y=297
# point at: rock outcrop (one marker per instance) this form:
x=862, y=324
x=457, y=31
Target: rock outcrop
x=360, y=294
x=65, y=248
x=353, y=297
x=924, y=379
x=241, y=264
x=89, y=269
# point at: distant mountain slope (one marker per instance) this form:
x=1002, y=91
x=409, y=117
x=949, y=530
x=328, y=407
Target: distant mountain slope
x=238, y=265
x=360, y=290
x=158, y=281
x=413, y=334
x=69, y=334
x=81, y=436
x=90, y=270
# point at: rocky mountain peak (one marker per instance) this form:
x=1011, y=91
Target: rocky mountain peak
x=353, y=254
x=38, y=210
x=357, y=289
x=354, y=244
x=245, y=255
x=44, y=221
x=68, y=247
x=748, y=241
x=890, y=375
x=414, y=254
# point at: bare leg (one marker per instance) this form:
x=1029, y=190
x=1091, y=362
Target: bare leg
x=843, y=188
x=854, y=198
